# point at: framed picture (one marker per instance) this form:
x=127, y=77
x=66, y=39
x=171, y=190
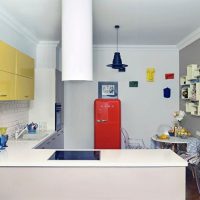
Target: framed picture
x=107, y=90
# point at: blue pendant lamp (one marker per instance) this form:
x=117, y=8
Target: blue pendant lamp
x=117, y=61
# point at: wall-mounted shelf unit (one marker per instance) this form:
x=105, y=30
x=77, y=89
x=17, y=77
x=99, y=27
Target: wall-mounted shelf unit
x=193, y=71
x=184, y=81
x=190, y=89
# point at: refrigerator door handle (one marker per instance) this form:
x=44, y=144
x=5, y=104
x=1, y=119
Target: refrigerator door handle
x=101, y=121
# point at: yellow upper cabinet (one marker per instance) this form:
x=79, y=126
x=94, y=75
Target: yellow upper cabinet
x=16, y=74
x=25, y=65
x=7, y=86
x=7, y=57
x=24, y=88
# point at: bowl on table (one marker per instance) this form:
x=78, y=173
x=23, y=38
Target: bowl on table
x=171, y=133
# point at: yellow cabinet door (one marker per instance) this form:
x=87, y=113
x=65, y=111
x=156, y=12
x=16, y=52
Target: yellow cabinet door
x=24, y=88
x=25, y=65
x=7, y=86
x=7, y=57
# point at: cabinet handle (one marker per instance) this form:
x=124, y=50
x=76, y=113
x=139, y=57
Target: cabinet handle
x=53, y=138
x=3, y=95
x=58, y=134
x=26, y=96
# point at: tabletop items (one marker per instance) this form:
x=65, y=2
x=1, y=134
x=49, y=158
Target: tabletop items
x=165, y=131
x=178, y=130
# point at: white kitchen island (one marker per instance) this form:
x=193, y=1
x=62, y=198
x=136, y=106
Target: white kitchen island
x=27, y=174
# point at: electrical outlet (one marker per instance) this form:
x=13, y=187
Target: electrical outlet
x=198, y=132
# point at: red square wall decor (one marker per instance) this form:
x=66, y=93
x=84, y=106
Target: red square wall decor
x=169, y=76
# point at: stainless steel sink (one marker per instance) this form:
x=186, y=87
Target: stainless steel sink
x=33, y=136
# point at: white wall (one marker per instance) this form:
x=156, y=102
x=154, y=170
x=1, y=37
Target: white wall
x=42, y=109
x=143, y=108
x=13, y=114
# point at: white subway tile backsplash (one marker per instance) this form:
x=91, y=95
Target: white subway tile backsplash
x=13, y=114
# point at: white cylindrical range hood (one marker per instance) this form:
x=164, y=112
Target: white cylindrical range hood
x=77, y=40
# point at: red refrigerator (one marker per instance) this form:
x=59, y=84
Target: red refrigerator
x=107, y=124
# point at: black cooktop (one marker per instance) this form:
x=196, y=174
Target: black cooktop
x=75, y=155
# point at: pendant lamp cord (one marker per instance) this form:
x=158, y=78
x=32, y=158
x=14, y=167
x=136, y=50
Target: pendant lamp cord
x=117, y=39
x=117, y=29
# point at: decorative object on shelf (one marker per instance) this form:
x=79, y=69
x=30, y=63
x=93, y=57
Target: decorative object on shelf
x=133, y=83
x=150, y=73
x=107, y=90
x=193, y=71
x=167, y=92
x=184, y=81
x=190, y=89
x=169, y=76
x=184, y=93
x=179, y=115
x=117, y=61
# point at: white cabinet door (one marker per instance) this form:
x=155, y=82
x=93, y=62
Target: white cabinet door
x=56, y=141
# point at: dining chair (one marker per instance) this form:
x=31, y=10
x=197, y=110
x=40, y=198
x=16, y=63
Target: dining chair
x=131, y=143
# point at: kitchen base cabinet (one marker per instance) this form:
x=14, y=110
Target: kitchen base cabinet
x=7, y=86
x=56, y=141
x=93, y=183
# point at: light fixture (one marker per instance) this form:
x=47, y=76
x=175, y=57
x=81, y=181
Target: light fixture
x=77, y=40
x=117, y=61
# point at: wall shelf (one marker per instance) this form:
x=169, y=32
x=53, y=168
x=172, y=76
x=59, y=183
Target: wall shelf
x=190, y=89
x=184, y=81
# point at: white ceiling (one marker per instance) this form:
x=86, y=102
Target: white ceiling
x=142, y=22
x=41, y=17
x=145, y=22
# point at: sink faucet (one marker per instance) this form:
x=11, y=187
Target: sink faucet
x=19, y=132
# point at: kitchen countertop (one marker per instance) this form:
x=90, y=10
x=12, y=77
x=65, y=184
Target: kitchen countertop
x=22, y=153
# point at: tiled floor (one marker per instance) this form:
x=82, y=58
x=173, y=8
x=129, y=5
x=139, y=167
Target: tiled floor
x=191, y=187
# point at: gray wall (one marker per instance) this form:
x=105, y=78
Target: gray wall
x=189, y=55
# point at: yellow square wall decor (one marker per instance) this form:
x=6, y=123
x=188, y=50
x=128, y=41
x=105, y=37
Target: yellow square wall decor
x=150, y=73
